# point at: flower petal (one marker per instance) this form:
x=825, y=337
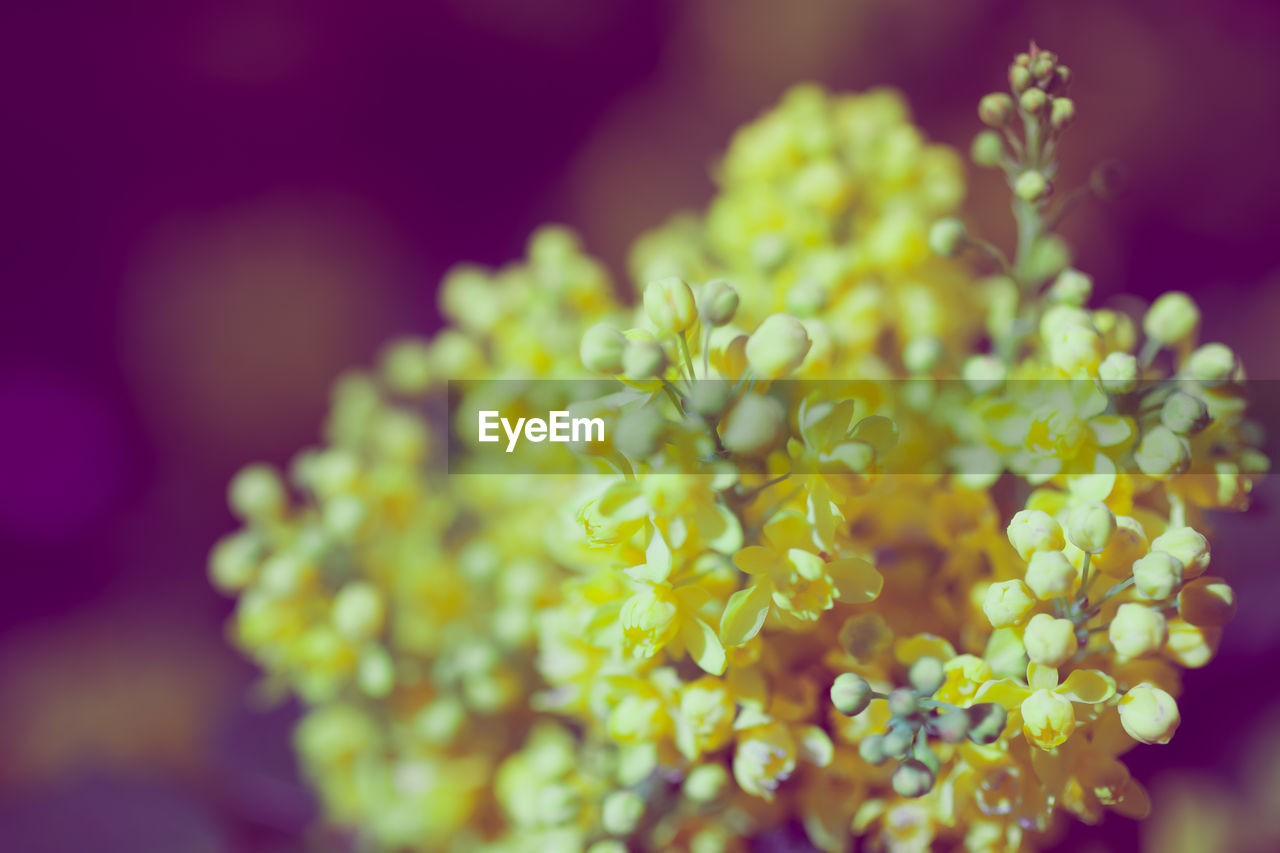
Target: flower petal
x=1087, y=685
x=703, y=645
x=755, y=559
x=856, y=580
x=744, y=615
x=1006, y=692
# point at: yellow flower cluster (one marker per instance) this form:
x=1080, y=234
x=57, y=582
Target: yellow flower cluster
x=787, y=588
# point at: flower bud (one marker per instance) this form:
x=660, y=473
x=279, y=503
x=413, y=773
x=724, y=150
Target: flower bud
x=601, y=349
x=1048, y=719
x=670, y=305
x=1188, y=545
x=1031, y=186
x=621, y=812
x=778, y=347
x=947, y=237
x=921, y=354
x=358, y=612
x=1162, y=452
x=896, y=742
x=1118, y=372
x=851, y=694
x=1062, y=113
x=1007, y=603
x=1149, y=714
x=753, y=425
x=1071, y=287
x=1019, y=78
x=912, y=779
x=1157, y=575
x=708, y=397
x=926, y=675
x=1127, y=545
x=951, y=726
x=257, y=493
x=1050, y=574
x=1184, y=414
x=1050, y=641
x=719, y=302
x=1211, y=363
x=638, y=432
x=1137, y=630
x=1090, y=526
x=1033, y=101
x=987, y=149
x=1207, y=602
x=234, y=560
x=375, y=672
x=705, y=782
x=995, y=110
x=1171, y=319
x=902, y=702
x=983, y=373
x=1192, y=646
x=1033, y=530
x=643, y=359
x=871, y=748
x=986, y=722
x=1075, y=349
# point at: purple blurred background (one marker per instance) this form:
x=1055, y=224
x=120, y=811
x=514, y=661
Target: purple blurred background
x=210, y=209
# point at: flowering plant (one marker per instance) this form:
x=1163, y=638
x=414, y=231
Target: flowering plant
x=891, y=535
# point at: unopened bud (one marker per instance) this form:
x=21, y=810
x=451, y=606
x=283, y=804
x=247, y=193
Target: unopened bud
x=1137, y=630
x=1149, y=714
x=753, y=425
x=1211, y=363
x=951, y=726
x=987, y=149
x=1033, y=101
x=896, y=742
x=1118, y=372
x=926, y=675
x=1032, y=530
x=947, y=237
x=1050, y=574
x=902, y=702
x=1162, y=452
x=1157, y=575
x=871, y=748
x=996, y=109
x=1187, y=544
x=1090, y=526
x=602, y=348
x=986, y=722
x=621, y=811
x=1007, y=603
x=851, y=694
x=719, y=302
x=1050, y=641
x=1071, y=287
x=1171, y=319
x=1019, y=78
x=1207, y=602
x=1031, y=186
x=670, y=305
x=778, y=347
x=1062, y=114
x=1184, y=414
x=643, y=359
x=912, y=779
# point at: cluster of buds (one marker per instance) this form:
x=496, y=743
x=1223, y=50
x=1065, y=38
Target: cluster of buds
x=915, y=718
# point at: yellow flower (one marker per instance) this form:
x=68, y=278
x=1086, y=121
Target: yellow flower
x=1149, y=714
x=1050, y=717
